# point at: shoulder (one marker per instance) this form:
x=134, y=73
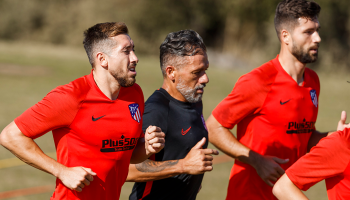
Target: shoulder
x=314, y=80
x=260, y=77
x=258, y=80
x=156, y=111
x=133, y=92
x=157, y=102
x=341, y=137
x=65, y=98
x=311, y=73
x=337, y=143
x=136, y=88
x=75, y=90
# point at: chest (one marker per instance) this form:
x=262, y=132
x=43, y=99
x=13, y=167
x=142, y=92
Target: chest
x=109, y=126
x=185, y=128
x=291, y=105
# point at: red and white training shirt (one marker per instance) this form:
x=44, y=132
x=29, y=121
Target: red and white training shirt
x=274, y=116
x=91, y=131
x=330, y=160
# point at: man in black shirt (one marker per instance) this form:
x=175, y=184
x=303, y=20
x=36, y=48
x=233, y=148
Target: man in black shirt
x=177, y=171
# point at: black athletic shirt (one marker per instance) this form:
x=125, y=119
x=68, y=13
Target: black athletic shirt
x=184, y=126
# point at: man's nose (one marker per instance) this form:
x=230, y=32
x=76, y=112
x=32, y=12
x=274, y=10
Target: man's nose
x=133, y=57
x=317, y=37
x=204, y=79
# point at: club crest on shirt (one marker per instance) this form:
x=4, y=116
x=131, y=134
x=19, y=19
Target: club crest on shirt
x=205, y=126
x=135, y=112
x=314, y=97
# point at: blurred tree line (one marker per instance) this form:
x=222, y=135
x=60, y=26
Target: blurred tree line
x=240, y=28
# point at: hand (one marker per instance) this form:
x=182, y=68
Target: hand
x=198, y=160
x=76, y=178
x=341, y=123
x=154, y=140
x=268, y=168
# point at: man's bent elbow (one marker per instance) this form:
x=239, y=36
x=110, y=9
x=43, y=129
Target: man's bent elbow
x=9, y=135
x=277, y=190
x=4, y=137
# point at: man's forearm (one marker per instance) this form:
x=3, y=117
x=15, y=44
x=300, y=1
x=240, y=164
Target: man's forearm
x=28, y=151
x=223, y=139
x=150, y=170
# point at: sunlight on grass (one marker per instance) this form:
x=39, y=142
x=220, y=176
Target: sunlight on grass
x=28, y=73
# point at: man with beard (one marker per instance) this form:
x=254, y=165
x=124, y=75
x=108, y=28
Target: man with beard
x=275, y=107
x=177, y=109
x=96, y=122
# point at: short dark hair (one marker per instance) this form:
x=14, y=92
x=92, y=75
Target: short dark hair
x=97, y=37
x=178, y=45
x=289, y=11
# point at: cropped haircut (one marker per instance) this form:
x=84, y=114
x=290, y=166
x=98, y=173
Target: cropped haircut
x=177, y=45
x=289, y=11
x=97, y=38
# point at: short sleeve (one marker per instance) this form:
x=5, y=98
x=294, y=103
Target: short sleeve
x=328, y=158
x=156, y=115
x=246, y=98
x=57, y=109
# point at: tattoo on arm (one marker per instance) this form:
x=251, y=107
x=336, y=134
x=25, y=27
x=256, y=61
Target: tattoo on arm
x=155, y=166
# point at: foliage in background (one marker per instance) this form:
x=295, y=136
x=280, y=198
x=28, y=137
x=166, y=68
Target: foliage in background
x=241, y=28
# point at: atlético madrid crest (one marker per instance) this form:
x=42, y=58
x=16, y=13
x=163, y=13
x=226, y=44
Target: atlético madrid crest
x=314, y=97
x=135, y=112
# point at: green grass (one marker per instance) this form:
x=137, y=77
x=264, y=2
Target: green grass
x=29, y=71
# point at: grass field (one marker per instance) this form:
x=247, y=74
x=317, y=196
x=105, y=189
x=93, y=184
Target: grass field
x=29, y=71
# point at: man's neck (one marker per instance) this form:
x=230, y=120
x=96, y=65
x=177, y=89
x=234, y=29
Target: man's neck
x=106, y=83
x=170, y=87
x=292, y=66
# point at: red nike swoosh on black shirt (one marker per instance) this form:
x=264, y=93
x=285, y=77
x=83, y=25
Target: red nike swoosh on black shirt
x=185, y=132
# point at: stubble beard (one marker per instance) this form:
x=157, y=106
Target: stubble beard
x=189, y=93
x=302, y=56
x=123, y=79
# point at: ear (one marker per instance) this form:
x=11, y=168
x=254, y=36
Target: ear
x=101, y=59
x=170, y=72
x=286, y=37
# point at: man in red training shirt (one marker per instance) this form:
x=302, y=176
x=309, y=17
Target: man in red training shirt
x=96, y=122
x=330, y=160
x=274, y=107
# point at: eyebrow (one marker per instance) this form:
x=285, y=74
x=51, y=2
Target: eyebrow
x=311, y=29
x=129, y=46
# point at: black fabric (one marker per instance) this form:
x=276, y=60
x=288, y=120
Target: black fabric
x=173, y=117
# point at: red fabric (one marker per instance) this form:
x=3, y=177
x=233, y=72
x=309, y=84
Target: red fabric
x=149, y=184
x=329, y=160
x=274, y=116
x=69, y=111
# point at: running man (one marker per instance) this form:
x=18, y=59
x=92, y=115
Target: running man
x=177, y=109
x=274, y=107
x=96, y=122
x=329, y=160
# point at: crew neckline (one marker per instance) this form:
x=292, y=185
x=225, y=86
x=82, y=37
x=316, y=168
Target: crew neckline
x=180, y=103
x=93, y=84
x=279, y=67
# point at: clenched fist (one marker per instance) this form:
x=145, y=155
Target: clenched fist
x=76, y=178
x=154, y=140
